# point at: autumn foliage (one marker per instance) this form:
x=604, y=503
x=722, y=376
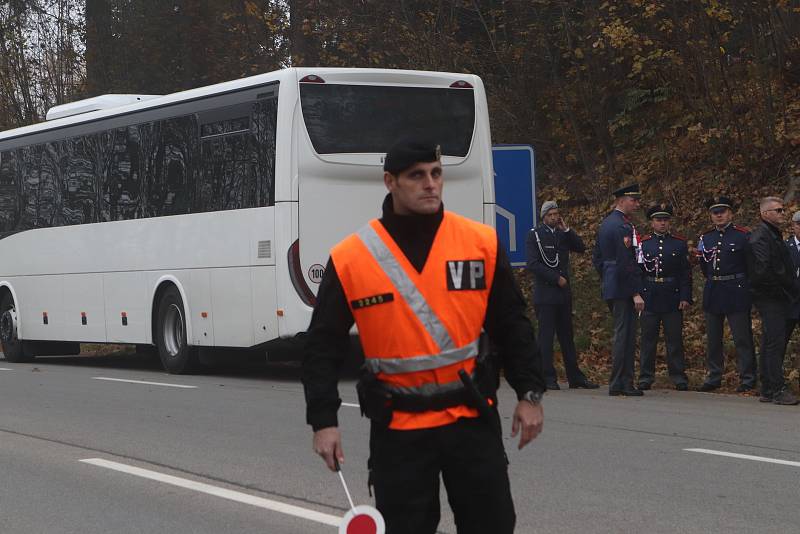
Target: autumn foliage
x=687, y=97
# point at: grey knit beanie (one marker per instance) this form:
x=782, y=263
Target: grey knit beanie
x=547, y=206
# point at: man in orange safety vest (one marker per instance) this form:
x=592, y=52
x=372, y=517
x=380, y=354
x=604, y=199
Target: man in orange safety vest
x=422, y=284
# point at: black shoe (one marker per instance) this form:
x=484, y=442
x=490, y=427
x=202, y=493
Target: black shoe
x=625, y=392
x=785, y=398
x=644, y=386
x=682, y=387
x=586, y=384
x=553, y=386
x=706, y=387
x=741, y=388
x=766, y=396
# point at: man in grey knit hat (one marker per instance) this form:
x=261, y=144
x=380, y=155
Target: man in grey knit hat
x=548, y=247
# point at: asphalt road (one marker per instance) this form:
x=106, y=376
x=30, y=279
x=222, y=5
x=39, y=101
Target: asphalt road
x=231, y=453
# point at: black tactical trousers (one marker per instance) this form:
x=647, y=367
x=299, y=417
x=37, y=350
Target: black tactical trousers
x=673, y=339
x=773, y=314
x=405, y=466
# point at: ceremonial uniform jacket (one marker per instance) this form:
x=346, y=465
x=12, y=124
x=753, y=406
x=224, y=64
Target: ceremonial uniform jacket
x=724, y=264
x=556, y=246
x=614, y=258
x=667, y=275
x=794, y=252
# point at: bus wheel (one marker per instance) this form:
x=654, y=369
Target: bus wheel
x=175, y=353
x=12, y=346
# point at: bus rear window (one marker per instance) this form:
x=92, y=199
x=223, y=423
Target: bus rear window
x=368, y=119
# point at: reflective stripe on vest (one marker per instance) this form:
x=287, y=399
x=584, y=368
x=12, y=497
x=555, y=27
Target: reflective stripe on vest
x=426, y=390
x=407, y=290
x=394, y=366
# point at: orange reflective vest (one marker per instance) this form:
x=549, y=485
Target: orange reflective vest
x=418, y=329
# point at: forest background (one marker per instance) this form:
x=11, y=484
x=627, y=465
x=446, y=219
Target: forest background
x=689, y=98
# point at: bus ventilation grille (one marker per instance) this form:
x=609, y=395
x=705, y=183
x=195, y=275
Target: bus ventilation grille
x=265, y=249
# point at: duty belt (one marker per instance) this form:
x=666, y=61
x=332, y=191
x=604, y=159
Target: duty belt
x=661, y=279
x=728, y=277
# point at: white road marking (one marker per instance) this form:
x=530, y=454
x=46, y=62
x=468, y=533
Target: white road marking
x=144, y=382
x=5, y=369
x=746, y=457
x=351, y=405
x=275, y=506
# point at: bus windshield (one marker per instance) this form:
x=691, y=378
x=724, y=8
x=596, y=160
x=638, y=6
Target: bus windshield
x=368, y=119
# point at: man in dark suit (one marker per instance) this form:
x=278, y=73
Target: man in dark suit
x=794, y=251
x=722, y=251
x=615, y=259
x=667, y=292
x=772, y=282
x=548, y=247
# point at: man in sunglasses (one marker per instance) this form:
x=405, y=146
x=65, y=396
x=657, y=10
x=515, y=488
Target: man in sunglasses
x=722, y=251
x=772, y=285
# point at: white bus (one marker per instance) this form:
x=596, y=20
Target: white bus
x=204, y=218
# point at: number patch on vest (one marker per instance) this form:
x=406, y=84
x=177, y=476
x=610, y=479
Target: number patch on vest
x=465, y=274
x=366, y=302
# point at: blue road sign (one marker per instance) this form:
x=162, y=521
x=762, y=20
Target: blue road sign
x=515, y=197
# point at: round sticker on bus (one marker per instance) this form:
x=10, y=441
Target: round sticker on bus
x=316, y=272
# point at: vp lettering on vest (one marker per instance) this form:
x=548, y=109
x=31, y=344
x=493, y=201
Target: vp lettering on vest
x=465, y=275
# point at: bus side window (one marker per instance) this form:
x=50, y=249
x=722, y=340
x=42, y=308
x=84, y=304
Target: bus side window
x=171, y=186
x=28, y=175
x=9, y=215
x=265, y=128
x=81, y=195
x=225, y=154
x=49, y=192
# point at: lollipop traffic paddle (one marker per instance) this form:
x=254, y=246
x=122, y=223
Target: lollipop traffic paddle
x=361, y=519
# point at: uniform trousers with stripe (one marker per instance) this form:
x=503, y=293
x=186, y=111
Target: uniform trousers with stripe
x=405, y=469
x=556, y=319
x=650, y=323
x=742, y=332
x=623, y=346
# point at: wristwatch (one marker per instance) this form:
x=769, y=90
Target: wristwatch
x=534, y=397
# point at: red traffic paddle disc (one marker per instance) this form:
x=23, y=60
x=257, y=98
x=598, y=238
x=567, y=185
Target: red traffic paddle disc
x=362, y=519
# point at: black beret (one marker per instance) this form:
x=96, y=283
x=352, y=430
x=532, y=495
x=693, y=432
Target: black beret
x=407, y=152
x=628, y=191
x=719, y=202
x=660, y=210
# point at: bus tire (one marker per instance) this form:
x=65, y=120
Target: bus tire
x=177, y=356
x=13, y=347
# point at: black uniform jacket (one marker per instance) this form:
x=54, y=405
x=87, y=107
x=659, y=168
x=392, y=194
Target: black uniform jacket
x=555, y=245
x=770, y=264
x=328, y=335
x=724, y=264
x=666, y=287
